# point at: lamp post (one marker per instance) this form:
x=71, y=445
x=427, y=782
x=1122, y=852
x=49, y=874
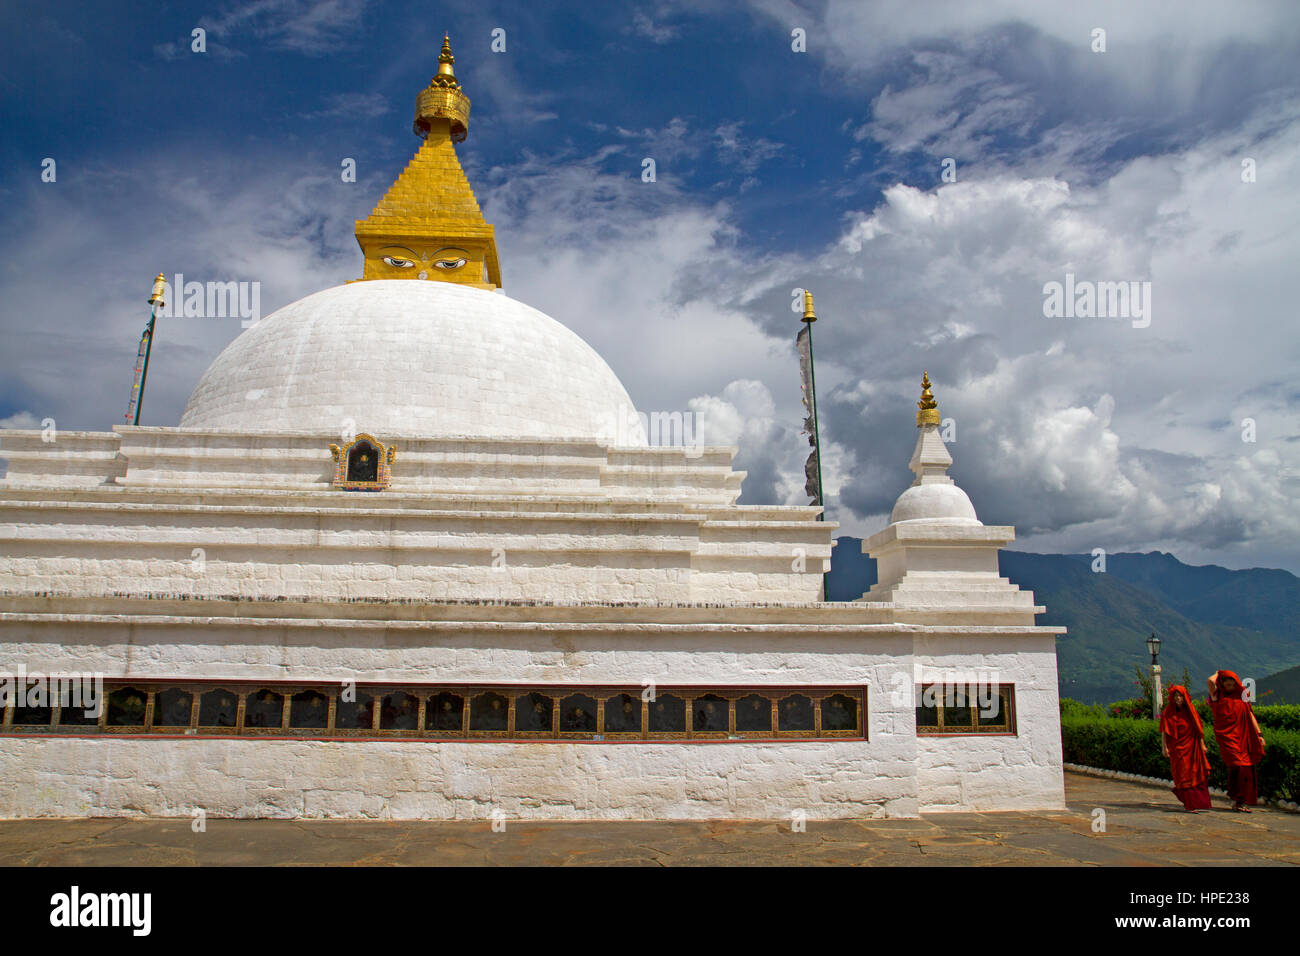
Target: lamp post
x=1157, y=691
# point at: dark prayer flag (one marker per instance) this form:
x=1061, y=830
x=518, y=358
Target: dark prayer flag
x=812, y=467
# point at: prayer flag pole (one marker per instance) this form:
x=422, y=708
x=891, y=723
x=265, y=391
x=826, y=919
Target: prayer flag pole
x=142, y=356
x=813, y=467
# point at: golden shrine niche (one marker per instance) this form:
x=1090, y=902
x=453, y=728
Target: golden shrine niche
x=363, y=464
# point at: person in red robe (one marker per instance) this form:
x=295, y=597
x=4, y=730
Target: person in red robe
x=1182, y=740
x=1240, y=742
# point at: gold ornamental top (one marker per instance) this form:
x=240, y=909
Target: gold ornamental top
x=443, y=99
x=929, y=408
x=808, y=314
x=428, y=226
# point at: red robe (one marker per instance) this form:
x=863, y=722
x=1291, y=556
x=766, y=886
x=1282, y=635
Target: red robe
x=1234, y=726
x=1185, y=739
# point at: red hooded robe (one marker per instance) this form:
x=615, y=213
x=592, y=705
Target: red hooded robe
x=1234, y=725
x=1185, y=738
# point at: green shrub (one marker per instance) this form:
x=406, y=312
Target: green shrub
x=1135, y=708
x=1133, y=746
x=1077, y=708
x=1278, y=716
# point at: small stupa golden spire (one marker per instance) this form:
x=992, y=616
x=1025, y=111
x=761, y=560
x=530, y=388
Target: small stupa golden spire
x=429, y=225
x=808, y=314
x=929, y=408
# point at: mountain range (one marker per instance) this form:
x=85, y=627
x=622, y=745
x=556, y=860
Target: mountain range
x=1206, y=617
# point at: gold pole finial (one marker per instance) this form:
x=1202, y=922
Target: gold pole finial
x=445, y=58
x=929, y=408
x=808, y=314
x=159, y=289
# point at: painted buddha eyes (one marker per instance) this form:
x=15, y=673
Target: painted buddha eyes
x=446, y=259
x=449, y=257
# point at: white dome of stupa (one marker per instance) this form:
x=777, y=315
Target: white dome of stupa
x=936, y=502
x=416, y=359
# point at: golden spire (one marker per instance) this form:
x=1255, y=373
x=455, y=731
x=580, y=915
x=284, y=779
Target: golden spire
x=429, y=225
x=159, y=289
x=445, y=59
x=443, y=99
x=808, y=314
x=929, y=408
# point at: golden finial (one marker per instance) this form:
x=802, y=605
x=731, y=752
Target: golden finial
x=443, y=99
x=929, y=408
x=808, y=314
x=445, y=59
x=159, y=289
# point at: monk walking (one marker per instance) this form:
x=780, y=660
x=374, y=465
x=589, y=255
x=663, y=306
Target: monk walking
x=1183, y=742
x=1240, y=742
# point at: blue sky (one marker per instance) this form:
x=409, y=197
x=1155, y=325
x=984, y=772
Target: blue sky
x=775, y=170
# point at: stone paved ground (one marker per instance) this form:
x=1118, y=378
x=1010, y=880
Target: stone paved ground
x=1145, y=827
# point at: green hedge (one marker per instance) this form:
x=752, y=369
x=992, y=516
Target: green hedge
x=1280, y=716
x=1277, y=716
x=1133, y=746
x=1075, y=708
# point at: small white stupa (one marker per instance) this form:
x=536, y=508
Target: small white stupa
x=935, y=552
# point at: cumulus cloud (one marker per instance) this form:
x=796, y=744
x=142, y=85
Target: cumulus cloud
x=284, y=228
x=1017, y=84
x=23, y=419
x=744, y=415
x=1086, y=432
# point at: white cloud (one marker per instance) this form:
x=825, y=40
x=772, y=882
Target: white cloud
x=23, y=419
x=742, y=152
x=1089, y=431
x=312, y=27
x=288, y=230
x=659, y=33
x=352, y=106
x=770, y=452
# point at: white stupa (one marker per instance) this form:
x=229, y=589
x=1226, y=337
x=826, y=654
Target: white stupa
x=409, y=555
x=935, y=552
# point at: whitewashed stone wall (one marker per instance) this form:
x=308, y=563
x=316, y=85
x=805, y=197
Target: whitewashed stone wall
x=893, y=774
x=210, y=514
x=459, y=781
x=995, y=772
x=173, y=554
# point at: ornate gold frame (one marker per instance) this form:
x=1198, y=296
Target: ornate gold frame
x=1007, y=726
x=387, y=453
